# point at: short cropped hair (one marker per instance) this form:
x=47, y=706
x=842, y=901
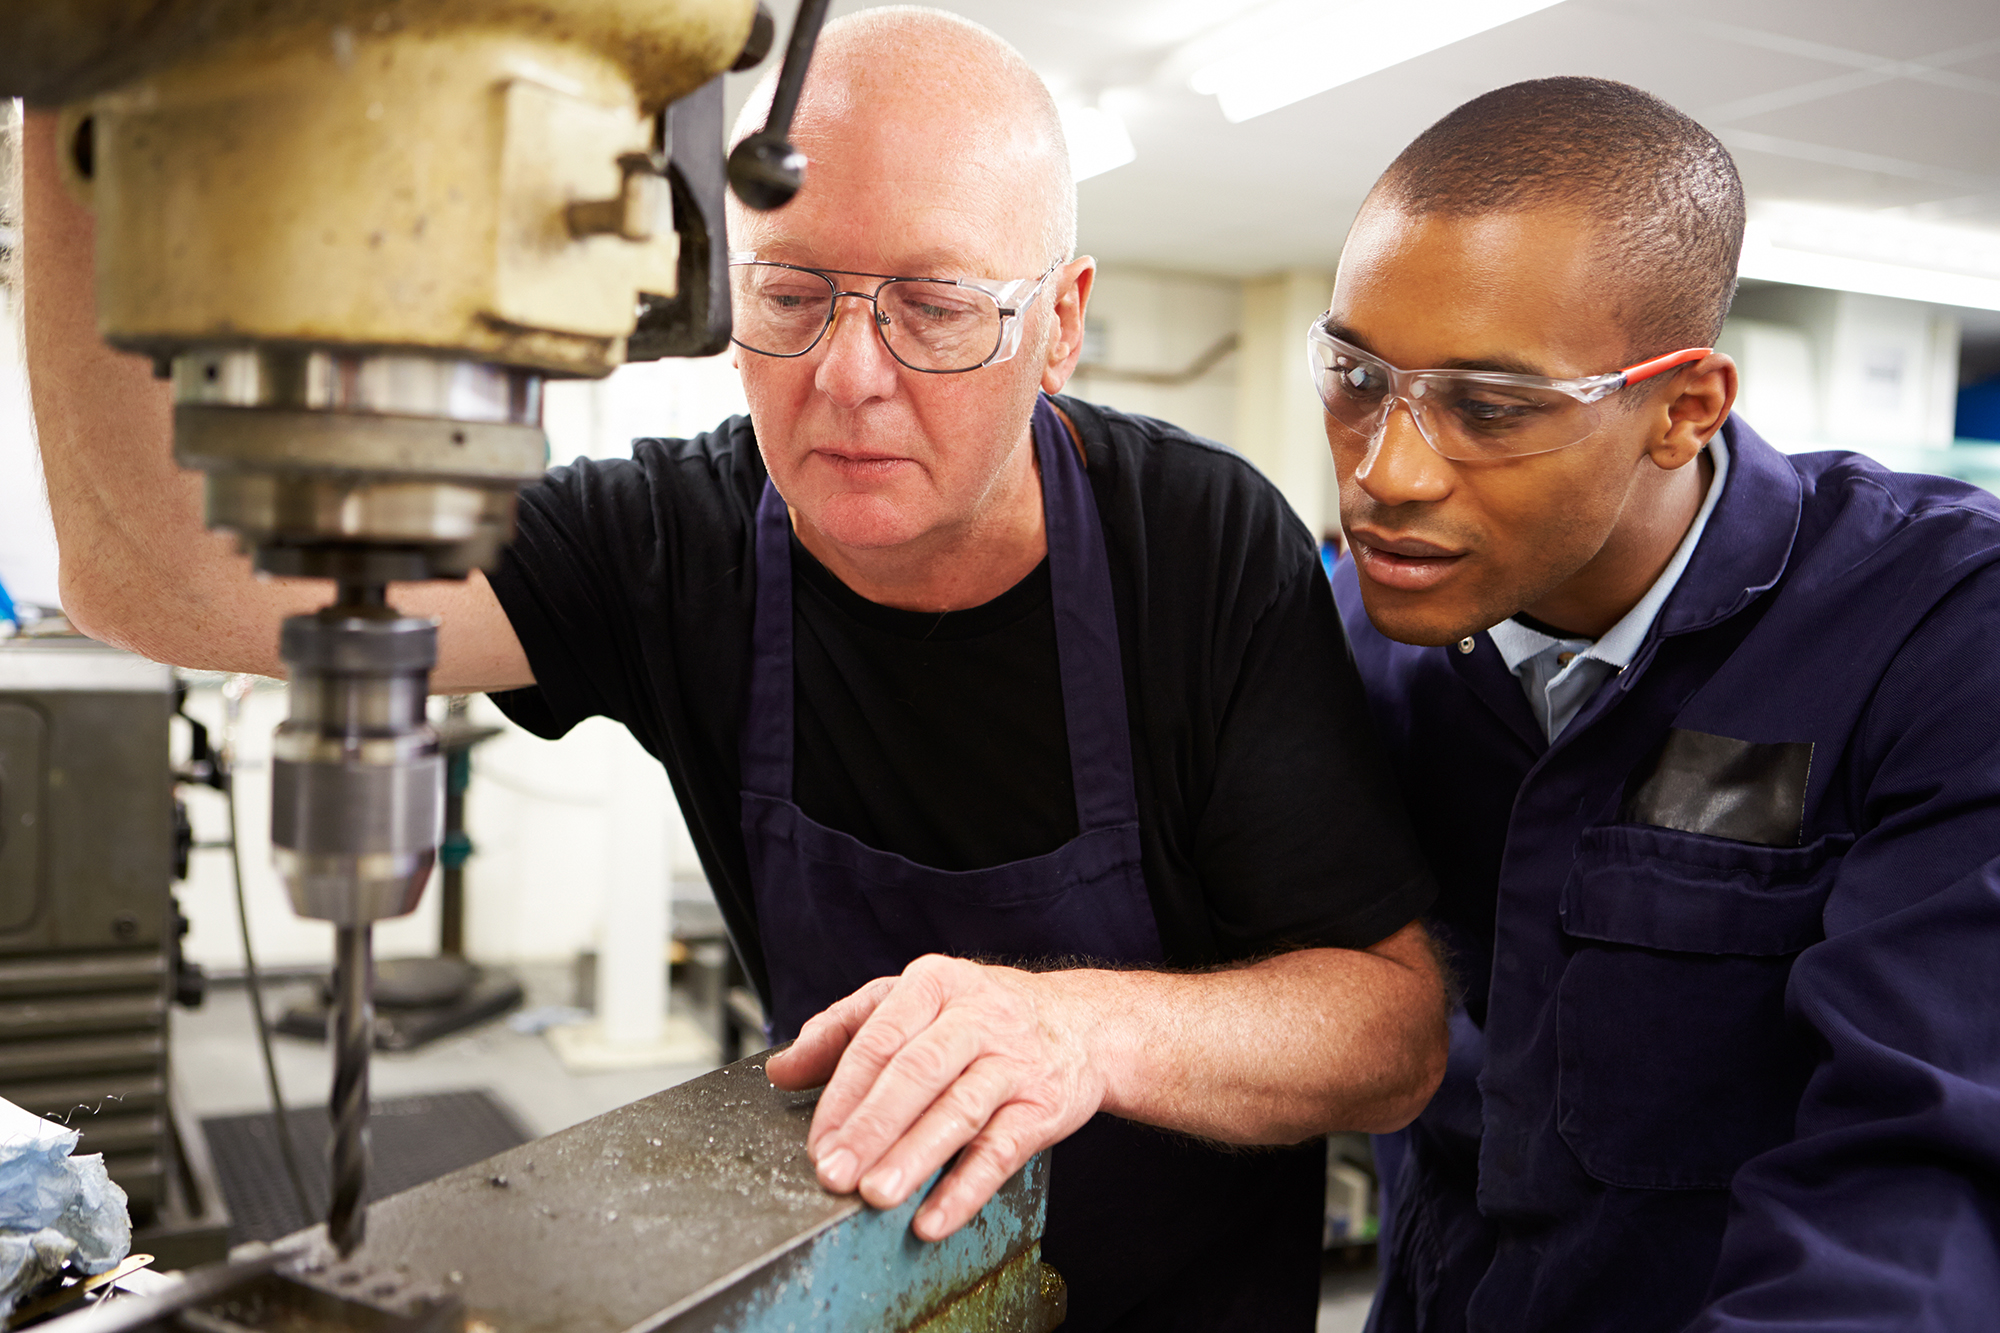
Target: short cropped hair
x=1664, y=188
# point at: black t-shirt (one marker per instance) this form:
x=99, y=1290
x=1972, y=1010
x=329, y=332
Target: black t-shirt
x=940, y=738
x=1267, y=817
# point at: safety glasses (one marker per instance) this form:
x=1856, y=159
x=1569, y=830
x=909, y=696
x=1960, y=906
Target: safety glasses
x=1467, y=415
x=941, y=326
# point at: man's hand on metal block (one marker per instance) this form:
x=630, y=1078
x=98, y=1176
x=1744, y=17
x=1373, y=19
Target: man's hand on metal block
x=951, y=1054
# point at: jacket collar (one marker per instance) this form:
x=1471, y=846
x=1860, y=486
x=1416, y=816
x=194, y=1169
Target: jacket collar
x=1749, y=538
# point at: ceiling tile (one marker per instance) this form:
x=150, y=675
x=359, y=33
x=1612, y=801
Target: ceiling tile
x=1773, y=177
x=1903, y=30
x=1280, y=190
x=1919, y=123
x=1979, y=67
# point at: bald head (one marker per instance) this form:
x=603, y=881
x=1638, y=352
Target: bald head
x=1662, y=190
x=921, y=96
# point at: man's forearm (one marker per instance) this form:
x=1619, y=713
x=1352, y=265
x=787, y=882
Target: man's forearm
x=1278, y=1051
x=138, y=567
x=1001, y=1063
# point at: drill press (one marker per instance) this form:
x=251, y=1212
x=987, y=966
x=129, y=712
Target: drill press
x=359, y=235
x=357, y=772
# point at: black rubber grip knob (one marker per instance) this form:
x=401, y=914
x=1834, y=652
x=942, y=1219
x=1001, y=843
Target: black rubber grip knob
x=766, y=171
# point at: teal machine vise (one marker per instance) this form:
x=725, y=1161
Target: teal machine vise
x=693, y=1211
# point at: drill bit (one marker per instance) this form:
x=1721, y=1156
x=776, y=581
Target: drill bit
x=357, y=798
x=351, y=1034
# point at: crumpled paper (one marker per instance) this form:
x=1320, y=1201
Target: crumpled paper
x=54, y=1208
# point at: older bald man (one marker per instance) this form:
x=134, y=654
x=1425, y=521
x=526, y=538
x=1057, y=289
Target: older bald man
x=943, y=669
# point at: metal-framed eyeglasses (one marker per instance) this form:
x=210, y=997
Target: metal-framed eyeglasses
x=1467, y=415
x=940, y=326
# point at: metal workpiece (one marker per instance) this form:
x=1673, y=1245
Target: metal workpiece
x=286, y=480
x=693, y=1211
x=389, y=447
x=331, y=526
x=696, y=1209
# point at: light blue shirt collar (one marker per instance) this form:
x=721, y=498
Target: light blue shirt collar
x=1561, y=675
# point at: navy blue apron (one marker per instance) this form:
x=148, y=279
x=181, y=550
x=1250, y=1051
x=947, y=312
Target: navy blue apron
x=1148, y=1228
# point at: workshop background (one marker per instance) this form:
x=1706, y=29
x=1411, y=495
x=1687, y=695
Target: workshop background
x=1225, y=146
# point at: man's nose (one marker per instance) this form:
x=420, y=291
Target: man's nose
x=1400, y=466
x=854, y=364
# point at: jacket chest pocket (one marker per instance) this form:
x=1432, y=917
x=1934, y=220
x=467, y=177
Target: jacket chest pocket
x=1677, y=1061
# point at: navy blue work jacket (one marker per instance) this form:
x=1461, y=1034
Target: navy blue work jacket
x=1729, y=1049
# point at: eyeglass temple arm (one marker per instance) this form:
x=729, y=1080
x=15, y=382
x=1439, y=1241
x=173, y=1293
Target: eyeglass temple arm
x=1645, y=370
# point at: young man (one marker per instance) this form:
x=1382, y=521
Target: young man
x=1700, y=740
x=939, y=666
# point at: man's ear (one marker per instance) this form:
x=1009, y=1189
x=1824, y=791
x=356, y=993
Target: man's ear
x=1696, y=404
x=1072, y=283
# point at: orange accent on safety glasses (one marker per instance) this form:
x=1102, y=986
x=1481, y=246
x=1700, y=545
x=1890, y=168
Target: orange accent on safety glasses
x=1468, y=415
x=1645, y=370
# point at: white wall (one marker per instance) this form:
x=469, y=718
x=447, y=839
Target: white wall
x=1825, y=369
x=553, y=821
x=670, y=398
x=1280, y=421
x=1151, y=321
x=1258, y=399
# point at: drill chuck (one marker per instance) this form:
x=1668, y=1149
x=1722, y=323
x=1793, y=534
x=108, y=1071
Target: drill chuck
x=357, y=774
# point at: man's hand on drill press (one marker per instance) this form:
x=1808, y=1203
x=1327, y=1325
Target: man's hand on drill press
x=951, y=1054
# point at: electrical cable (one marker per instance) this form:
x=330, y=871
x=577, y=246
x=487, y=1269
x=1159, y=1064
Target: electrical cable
x=233, y=691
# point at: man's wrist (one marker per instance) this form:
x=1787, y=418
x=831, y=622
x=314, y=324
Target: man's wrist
x=1098, y=1013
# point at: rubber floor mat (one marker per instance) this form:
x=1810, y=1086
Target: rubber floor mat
x=412, y=1140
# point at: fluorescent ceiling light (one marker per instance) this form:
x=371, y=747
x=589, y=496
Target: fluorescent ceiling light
x=1287, y=52
x=1098, y=141
x=1879, y=255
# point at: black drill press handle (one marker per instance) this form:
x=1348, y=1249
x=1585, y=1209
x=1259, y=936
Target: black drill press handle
x=766, y=170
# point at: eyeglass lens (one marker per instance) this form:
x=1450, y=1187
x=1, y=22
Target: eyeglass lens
x=926, y=325
x=1462, y=418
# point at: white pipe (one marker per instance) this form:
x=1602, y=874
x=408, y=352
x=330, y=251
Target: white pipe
x=632, y=940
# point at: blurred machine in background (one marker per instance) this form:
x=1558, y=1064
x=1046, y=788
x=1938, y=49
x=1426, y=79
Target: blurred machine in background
x=89, y=932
